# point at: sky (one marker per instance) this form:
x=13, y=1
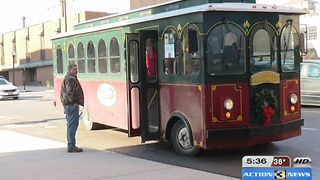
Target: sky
x=37, y=11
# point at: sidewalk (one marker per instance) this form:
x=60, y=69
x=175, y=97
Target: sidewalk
x=26, y=157
x=34, y=88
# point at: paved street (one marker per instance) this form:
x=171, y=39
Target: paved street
x=41, y=124
x=32, y=146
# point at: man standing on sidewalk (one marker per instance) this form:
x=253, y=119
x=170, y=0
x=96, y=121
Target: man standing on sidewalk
x=71, y=96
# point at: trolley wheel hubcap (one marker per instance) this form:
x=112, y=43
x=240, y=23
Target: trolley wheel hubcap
x=184, y=138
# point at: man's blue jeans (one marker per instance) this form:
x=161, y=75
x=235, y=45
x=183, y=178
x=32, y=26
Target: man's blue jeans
x=72, y=117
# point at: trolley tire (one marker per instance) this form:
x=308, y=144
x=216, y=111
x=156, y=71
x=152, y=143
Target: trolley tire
x=182, y=140
x=87, y=122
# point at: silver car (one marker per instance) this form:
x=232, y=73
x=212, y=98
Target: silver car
x=310, y=82
x=8, y=90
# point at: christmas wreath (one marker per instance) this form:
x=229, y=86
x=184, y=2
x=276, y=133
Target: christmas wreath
x=266, y=103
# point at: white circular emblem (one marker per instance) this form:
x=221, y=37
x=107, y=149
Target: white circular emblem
x=107, y=95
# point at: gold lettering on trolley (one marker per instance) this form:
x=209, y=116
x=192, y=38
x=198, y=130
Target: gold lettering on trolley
x=145, y=13
x=105, y=22
x=265, y=77
x=123, y=18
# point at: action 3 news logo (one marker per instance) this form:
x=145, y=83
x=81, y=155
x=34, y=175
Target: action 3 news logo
x=288, y=173
x=280, y=174
x=293, y=173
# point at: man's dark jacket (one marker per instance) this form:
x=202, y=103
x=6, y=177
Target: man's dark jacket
x=71, y=91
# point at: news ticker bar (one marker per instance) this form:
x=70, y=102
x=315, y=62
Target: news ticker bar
x=275, y=161
x=275, y=173
x=276, y=167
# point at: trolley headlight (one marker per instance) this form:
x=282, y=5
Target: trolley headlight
x=293, y=98
x=228, y=104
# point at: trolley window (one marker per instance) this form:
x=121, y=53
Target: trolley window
x=134, y=52
x=91, y=58
x=171, y=52
x=71, y=58
x=81, y=67
x=263, y=48
x=290, y=52
x=114, y=56
x=59, y=60
x=190, y=51
x=102, y=56
x=225, y=50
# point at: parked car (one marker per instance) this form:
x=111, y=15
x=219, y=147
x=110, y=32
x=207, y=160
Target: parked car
x=8, y=90
x=310, y=82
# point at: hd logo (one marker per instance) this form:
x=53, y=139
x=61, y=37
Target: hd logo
x=280, y=174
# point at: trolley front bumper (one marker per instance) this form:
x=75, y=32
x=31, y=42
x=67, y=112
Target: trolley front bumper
x=248, y=132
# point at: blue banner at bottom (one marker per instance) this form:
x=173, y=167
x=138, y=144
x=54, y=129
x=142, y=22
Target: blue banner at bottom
x=275, y=173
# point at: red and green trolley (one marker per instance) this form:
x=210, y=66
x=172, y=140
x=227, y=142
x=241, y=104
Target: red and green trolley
x=226, y=73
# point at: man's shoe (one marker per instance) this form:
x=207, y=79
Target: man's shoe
x=74, y=149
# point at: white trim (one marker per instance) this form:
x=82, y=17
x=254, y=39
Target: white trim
x=242, y=7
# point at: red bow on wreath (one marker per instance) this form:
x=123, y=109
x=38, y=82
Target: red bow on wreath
x=268, y=111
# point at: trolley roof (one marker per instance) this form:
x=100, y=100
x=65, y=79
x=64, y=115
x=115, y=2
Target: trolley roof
x=147, y=14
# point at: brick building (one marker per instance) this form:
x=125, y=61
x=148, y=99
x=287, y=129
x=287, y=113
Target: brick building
x=135, y=4
x=30, y=48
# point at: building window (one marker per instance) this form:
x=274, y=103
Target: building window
x=312, y=32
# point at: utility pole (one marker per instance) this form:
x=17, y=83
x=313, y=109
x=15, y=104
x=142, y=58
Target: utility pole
x=64, y=13
x=13, y=70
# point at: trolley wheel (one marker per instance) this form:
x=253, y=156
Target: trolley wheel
x=87, y=122
x=182, y=140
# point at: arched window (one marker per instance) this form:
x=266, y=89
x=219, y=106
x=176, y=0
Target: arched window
x=114, y=56
x=290, y=52
x=214, y=46
x=59, y=60
x=81, y=67
x=263, y=45
x=190, y=49
x=71, y=58
x=225, y=50
x=171, y=52
x=133, y=59
x=91, y=58
x=102, y=56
